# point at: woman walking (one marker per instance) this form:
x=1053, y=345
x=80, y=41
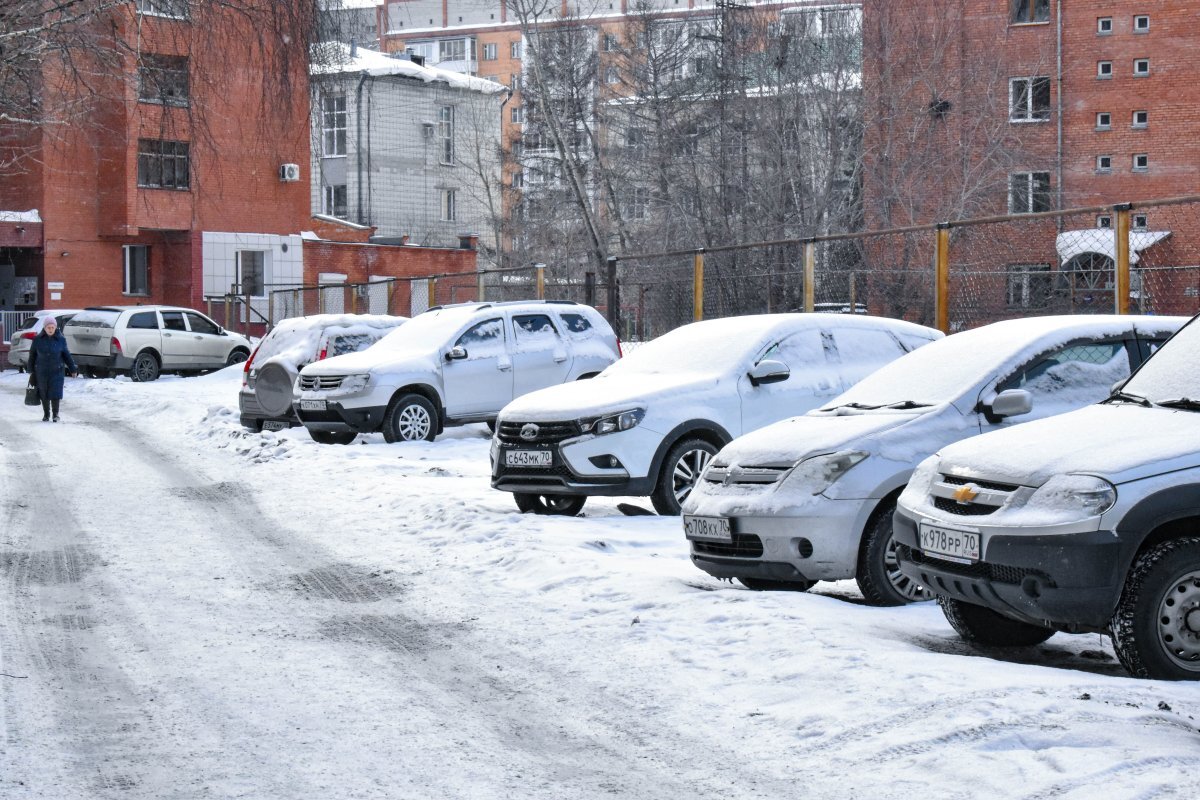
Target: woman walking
x=49, y=359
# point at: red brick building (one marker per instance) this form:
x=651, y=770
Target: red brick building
x=181, y=174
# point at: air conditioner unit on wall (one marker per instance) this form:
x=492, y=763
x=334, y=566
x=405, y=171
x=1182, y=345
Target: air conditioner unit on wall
x=289, y=173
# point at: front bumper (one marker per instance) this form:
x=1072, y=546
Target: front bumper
x=338, y=418
x=572, y=470
x=18, y=358
x=808, y=547
x=1069, y=581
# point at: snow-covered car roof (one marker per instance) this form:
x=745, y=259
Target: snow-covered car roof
x=943, y=371
x=296, y=340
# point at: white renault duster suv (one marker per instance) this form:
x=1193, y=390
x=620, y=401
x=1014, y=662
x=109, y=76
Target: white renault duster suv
x=1085, y=522
x=451, y=365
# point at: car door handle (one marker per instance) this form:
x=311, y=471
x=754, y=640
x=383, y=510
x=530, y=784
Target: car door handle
x=166, y=336
x=504, y=367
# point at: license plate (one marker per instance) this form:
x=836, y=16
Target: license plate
x=962, y=546
x=274, y=425
x=709, y=529
x=312, y=405
x=528, y=458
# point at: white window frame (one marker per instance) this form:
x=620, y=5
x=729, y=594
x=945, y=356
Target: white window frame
x=240, y=275
x=329, y=202
x=1104, y=70
x=1144, y=123
x=172, y=9
x=446, y=135
x=489, y=51
x=1141, y=68
x=1139, y=222
x=518, y=179
x=334, y=125
x=514, y=50
x=1104, y=163
x=449, y=205
x=608, y=42
x=517, y=114
x=612, y=75
x=1030, y=180
x=1029, y=113
x=1104, y=26
x=1137, y=26
x=1020, y=277
x=1103, y=120
x=128, y=285
x=1144, y=158
x=1104, y=221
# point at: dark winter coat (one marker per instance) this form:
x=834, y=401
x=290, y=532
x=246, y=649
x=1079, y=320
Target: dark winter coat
x=49, y=359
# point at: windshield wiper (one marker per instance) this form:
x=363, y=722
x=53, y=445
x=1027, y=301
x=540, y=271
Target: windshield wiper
x=1128, y=397
x=1184, y=403
x=903, y=404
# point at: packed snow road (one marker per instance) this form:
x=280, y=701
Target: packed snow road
x=189, y=610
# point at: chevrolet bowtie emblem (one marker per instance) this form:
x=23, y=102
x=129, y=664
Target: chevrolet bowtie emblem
x=965, y=493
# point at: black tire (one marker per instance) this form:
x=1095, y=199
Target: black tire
x=411, y=418
x=879, y=577
x=1156, y=627
x=145, y=367
x=330, y=437
x=95, y=372
x=982, y=626
x=766, y=585
x=562, y=505
x=236, y=357
x=680, y=471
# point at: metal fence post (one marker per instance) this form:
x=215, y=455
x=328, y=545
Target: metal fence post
x=810, y=275
x=942, y=277
x=698, y=286
x=614, y=296
x=541, y=281
x=589, y=288
x=479, y=286
x=1121, y=289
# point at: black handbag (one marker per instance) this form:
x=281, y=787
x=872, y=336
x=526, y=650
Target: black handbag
x=32, y=398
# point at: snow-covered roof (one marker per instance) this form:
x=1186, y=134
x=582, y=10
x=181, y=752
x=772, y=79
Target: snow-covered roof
x=348, y=5
x=20, y=216
x=1104, y=242
x=335, y=59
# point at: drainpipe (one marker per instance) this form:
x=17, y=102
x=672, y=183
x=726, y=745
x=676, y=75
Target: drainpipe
x=358, y=149
x=1058, y=54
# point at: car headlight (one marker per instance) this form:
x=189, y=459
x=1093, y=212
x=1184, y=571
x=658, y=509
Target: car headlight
x=612, y=423
x=917, y=490
x=818, y=473
x=354, y=383
x=1074, y=494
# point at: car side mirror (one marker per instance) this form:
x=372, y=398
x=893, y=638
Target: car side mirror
x=456, y=354
x=1012, y=403
x=768, y=371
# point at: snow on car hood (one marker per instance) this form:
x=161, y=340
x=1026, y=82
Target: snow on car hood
x=605, y=394
x=790, y=440
x=1120, y=442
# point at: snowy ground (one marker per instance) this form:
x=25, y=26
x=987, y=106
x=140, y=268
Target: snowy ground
x=190, y=610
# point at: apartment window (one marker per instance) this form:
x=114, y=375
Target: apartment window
x=1103, y=121
x=333, y=124
x=446, y=135
x=1028, y=192
x=518, y=180
x=334, y=203
x=637, y=201
x=514, y=49
x=1028, y=285
x=452, y=50
x=1141, y=162
x=518, y=113
x=1141, y=119
x=1141, y=67
x=612, y=75
x=251, y=273
x=163, y=79
x=1029, y=99
x=1104, y=26
x=1140, y=222
x=1024, y=11
x=1103, y=163
x=163, y=164
x=137, y=269
x=164, y=8
x=1103, y=69
x=489, y=51
x=1104, y=221
x=449, y=205
x=610, y=43
x=635, y=138
x=1141, y=23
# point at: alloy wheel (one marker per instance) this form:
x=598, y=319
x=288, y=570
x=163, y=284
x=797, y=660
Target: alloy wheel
x=413, y=424
x=687, y=472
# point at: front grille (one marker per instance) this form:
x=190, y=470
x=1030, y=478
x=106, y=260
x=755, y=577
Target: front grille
x=955, y=480
x=557, y=470
x=744, y=545
x=997, y=573
x=320, y=383
x=963, y=509
x=545, y=433
x=740, y=476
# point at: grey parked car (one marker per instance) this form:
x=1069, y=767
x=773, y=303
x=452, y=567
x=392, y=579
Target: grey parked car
x=145, y=341
x=27, y=331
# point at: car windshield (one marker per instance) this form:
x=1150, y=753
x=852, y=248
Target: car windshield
x=708, y=347
x=428, y=331
x=1170, y=375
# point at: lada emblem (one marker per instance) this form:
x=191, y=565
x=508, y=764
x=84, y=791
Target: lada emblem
x=529, y=432
x=965, y=493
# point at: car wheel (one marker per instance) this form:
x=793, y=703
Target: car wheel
x=680, y=471
x=236, y=357
x=1156, y=627
x=145, y=368
x=562, y=505
x=879, y=577
x=983, y=626
x=412, y=418
x=332, y=437
x=765, y=585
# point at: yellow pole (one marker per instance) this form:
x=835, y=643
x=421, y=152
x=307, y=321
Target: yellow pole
x=698, y=286
x=541, y=281
x=1122, y=283
x=810, y=276
x=942, y=298
x=431, y=291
